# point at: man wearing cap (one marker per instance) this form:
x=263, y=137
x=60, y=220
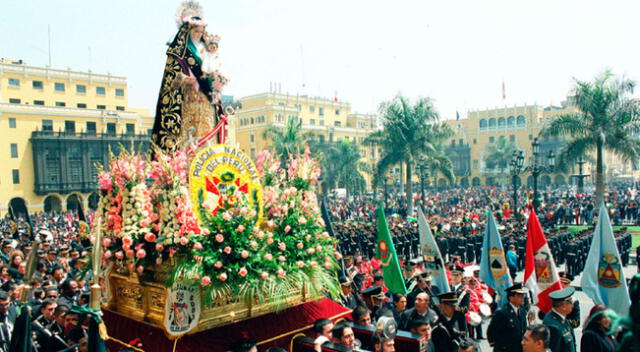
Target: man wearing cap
x=6, y=251
x=574, y=316
x=347, y=298
x=562, y=337
x=450, y=326
x=420, y=310
x=373, y=298
x=423, y=284
x=464, y=300
x=508, y=324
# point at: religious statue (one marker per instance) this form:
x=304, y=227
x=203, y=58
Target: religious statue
x=189, y=105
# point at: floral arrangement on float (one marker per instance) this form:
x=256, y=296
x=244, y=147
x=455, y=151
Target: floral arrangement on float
x=238, y=238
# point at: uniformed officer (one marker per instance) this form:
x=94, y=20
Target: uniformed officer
x=451, y=325
x=464, y=299
x=508, y=324
x=562, y=337
x=348, y=298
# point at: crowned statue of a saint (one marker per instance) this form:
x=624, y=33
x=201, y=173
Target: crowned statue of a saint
x=189, y=105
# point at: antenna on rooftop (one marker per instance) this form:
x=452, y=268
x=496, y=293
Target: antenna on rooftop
x=49, y=40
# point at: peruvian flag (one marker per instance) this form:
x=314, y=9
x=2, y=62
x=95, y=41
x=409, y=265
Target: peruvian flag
x=540, y=272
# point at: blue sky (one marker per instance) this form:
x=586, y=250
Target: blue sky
x=456, y=52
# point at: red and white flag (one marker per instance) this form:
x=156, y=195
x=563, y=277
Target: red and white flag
x=540, y=272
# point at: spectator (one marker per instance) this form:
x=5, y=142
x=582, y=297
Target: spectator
x=536, y=339
x=596, y=332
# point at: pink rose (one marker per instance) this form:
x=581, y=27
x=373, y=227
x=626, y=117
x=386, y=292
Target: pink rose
x=240, y=228
x=126, y=247
x=307, y=237
x=149, y=237
x=196, y=276
x=325, y=234
x=106, y=242
x=227, y=249
x=141, y=254
x=159, y=247
x=256, y=229
x=197, y=246
x=327, y=265
x=281, y=258
x=107, y=254
x=218, y=264
x=302, y=220
x=271, y=224
x=260, y=235
x=287, y=228
x=282, y=246
x=299, y=245
x=300, y=264
x=145, y=222
x=205, y=231
x=184, y=240
x=319, y=248
x=281, y=272
x=219, y=238
x=140, y=269
x=226, y=216
x=253, y=244
x=269, y=240
x=327, y=259
x=268, y=256
x=126, y=240
x=311, y=250
x=242, y=272
x=119, y=255
x=264, y=275
x=244, y=254
x=223, y=277
x=159, y=260
x=130, y=253
x=206, y=281
x=338, y=255
x=313, y=264
x=131, y=267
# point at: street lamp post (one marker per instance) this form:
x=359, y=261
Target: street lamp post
x=580, y=176
x=537, y=169
x=516, y=168
x=422, y=168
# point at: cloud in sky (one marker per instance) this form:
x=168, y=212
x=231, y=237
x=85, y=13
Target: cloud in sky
x=457, y=52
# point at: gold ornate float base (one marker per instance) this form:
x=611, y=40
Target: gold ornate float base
x=145, y=301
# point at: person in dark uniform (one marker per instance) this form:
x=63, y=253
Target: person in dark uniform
x=451, y=325
x=562, y=337
x=348, y=298
x=464, y=299
x=508, y=324
x=574, y=316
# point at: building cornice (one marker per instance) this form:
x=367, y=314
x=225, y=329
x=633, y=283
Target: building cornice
x=69, y=75
x=23, y=109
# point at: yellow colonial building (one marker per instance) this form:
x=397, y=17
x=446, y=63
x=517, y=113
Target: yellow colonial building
x=54, y=126
x=469, y=147
x=328, y=119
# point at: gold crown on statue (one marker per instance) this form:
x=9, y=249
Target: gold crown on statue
x=211, y=39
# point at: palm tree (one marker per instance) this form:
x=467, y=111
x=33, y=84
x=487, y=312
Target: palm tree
x=606, y=118
x=341, y=165
x=499, y=155
x=288, y=139
x=409, y=131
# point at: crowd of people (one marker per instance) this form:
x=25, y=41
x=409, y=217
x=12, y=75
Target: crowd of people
x=450, y=321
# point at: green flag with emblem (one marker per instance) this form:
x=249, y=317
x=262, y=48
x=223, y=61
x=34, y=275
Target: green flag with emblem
x=386, y=252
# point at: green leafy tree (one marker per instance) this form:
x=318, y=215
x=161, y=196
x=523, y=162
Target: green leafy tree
x=342, y=165
x=288, y=139
x=409, y=131
x=607, y=117
x=498, y=155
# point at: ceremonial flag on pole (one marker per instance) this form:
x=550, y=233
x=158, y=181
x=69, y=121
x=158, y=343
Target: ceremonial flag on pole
x=21, y=339
x=540, y=272
x=386, y=252
x=493, y=264
x=431, y=253
x=327, y=222
x=603, y=278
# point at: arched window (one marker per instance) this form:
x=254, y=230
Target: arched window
x=511, y=121
x=521, y=120
x=501, y=122
x=483, y=123
x=492, y=122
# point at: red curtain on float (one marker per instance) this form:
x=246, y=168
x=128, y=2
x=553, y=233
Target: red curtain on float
x=275, y=329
